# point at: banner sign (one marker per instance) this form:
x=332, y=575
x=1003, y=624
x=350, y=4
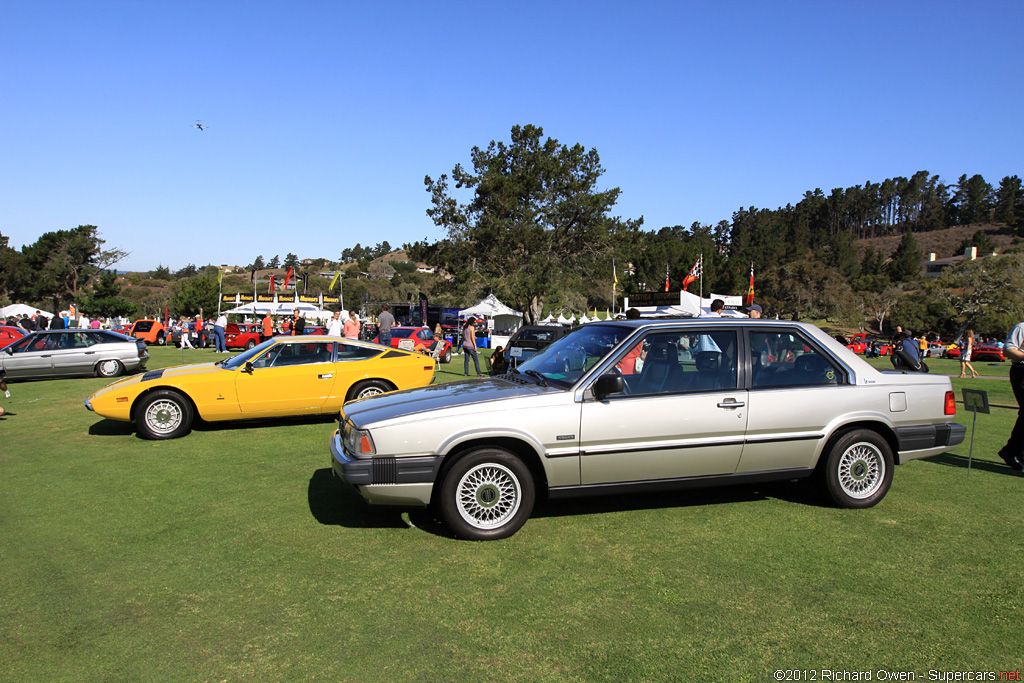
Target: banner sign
x=654, y=299
x=245, y=298
x=228, y=298
x=331, y=300
x=303, y=299
x=265, y=298
x=423, y=308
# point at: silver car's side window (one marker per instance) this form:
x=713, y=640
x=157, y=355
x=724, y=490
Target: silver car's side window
x=680, y=362
x=782, y=359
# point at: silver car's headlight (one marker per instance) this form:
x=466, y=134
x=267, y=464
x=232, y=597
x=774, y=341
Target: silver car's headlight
x=358, y=442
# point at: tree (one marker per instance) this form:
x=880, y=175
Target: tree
x=274, y=262
x=62, y=262
x=988, y=286
x=105, y=299
x=10, y=267
x=257, y=264
x=187, y=271
x=1009, y=207
x=290, y=261
x=906, y=260
x=534, y=224
x=194, y=294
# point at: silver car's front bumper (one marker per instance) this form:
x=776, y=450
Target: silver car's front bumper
x=386, y=480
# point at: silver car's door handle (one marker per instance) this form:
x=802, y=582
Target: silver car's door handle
x=731, y=404
x=327, y=376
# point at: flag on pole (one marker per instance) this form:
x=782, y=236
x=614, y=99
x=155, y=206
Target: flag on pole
x=334, y=281
x=666, y=277
x=695, y=272
x=271, y=283
x=287, y=277
x=750, y=290
x=220, y=277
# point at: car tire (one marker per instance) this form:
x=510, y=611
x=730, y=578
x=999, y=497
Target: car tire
x=486, y=495
x=161, y=339
x=447, y=357
x=250, y=344
x=858, y=469
x=367, y=388
x=164, y=414
x=109, y=368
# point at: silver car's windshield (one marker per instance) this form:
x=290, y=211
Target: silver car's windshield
x=566, y=360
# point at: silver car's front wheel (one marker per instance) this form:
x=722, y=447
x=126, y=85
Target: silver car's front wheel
x=858, y=469
x=486, y=494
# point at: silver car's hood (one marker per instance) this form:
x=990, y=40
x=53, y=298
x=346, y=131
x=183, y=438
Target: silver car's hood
x=449, y=396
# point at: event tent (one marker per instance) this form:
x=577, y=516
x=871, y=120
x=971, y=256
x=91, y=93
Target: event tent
x=282, y=308
x=21, y=309
x=502, y=319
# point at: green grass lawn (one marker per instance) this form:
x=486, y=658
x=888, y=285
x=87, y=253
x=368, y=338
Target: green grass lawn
x=232, y=555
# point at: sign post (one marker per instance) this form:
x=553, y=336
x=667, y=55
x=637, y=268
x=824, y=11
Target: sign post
x=976, y=401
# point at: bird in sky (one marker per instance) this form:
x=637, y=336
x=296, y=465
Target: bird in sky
x=199, y=125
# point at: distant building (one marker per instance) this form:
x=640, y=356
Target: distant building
x=933, y=266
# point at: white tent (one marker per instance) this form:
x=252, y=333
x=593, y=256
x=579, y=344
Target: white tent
x=21, y=309
x=502, y=320
x=584, y=319
x=281, y=308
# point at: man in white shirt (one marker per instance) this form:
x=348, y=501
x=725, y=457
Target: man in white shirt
x=334, y=325
x=218, y=333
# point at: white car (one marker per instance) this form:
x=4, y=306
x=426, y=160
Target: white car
x=642, y=405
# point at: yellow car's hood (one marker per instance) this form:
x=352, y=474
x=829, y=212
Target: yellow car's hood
x=175, y=372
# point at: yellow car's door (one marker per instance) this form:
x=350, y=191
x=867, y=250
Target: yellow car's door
x=290, y=378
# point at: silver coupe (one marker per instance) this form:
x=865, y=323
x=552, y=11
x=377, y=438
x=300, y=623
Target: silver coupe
x=73, y=353
x=646, y=405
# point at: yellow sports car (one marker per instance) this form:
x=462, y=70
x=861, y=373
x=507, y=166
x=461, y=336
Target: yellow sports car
x=306, y=375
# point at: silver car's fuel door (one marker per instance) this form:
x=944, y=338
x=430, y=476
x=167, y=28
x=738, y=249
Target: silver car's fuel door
x=682, y=411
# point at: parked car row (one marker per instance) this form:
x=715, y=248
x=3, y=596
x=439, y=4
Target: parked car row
x=615, y=406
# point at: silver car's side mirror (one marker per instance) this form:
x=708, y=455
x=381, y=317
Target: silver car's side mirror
x=607, y=385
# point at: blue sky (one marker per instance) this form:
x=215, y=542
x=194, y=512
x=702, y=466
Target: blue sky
x=324, y=117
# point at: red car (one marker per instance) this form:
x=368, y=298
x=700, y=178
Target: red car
x=418, y=336
x=859, y=344
x=987, y=352
x=9, y=335
x=242, y=335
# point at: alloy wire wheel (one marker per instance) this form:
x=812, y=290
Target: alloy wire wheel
x=488, y=496
x=368, y=388
x=164, y=415
x=861, y=470
x=858, y=469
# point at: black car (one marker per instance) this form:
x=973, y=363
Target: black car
x=530, y=339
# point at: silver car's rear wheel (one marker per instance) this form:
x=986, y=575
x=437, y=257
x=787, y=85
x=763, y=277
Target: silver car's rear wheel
x=109, y=368
x=858, y=471
x=486, y=494
x=163, y=415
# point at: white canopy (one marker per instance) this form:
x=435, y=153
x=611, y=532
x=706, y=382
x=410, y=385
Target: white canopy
x=692, y=306
x=584, y=319
x=282, y=308
x=502, y=318
x=21, y=309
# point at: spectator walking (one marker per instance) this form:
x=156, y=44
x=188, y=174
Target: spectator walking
x=469, y=347
x=186, y=343
x=966, y=348
x=268, y=328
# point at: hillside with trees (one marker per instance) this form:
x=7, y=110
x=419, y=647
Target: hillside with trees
x=529, y=220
